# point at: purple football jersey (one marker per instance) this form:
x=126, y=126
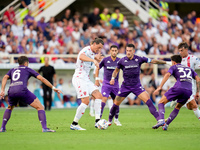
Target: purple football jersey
x=109, y=66
x=19, y=78
x=131, y=69
x=183, y=75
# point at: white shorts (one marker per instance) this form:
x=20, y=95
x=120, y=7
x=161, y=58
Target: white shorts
x=84, y=87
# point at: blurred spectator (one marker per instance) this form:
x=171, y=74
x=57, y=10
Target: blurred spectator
x=117, y=15
x=67, y=16
x=136, y=18
x=41, y=24
x=105, y=17
x=10, y=14
x=175, y=16
x=73, y=46
x=59, y=28
x=85, y=23
x=193, y=19
x=195, y=45
x=53, y=42
x=17, y=30
x=29, y=18
x=94, y=17
x=72, y=103
x=164, y=8
x=175, y=41
x=22, y=47
x=76, y=34
x=85, y=39
x=58, y=98
x=162, y=38
x=39, y=94
x=30, y=31
x=154, y=50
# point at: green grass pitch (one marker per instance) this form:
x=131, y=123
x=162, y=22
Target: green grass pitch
x=24, y=131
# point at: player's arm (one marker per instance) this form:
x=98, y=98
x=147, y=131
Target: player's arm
x=97, y=77
x=154, y=61
x=114, y=74
x=47, y=83
x=165, y=78
x=198, y=87
x=54, y=79
x=83, y=57
x=3, y=85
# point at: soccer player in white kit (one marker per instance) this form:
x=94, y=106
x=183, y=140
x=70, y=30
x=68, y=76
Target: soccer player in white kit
x=194, y=63
x=81, y=81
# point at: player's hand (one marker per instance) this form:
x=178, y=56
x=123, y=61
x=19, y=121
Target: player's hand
x=101, y=81
x=58, y=91
x=112, y=81
x=156, y=92
x=196, y=96
x=97, y=83
x=2, y=94
x=96, y=63
x=98, y=57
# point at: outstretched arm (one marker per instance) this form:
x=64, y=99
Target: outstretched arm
x=165, y=78
x=47, y=83
x=114, y=74
x=5, y=78
x=83, y=57
x=154, y=61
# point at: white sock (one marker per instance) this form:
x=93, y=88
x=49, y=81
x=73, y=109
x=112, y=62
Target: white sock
x=97, y=108
x=110, y=103
x=80, y=111
x=91, y=106
x=197, y=113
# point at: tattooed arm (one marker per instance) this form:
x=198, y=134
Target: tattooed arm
x=114, y=74
x=154, y=61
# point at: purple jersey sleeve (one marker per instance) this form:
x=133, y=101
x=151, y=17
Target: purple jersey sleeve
x=101, y=64
x=9, y=73
x=171, y=70
x=33, y=72
x=119, y=65
x=145, y=60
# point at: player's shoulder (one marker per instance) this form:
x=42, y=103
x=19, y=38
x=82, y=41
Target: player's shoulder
x=85, y=49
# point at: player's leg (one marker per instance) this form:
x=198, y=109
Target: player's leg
x=44, y=87
x=192, y=105
x=97, y=104
x=161, y=111
x=92, y=106
x=144, y=96
x=115, y=108
x=110, y=102
x=41, y=115
x=6, y=117
x=103, y=104
x=50, y=97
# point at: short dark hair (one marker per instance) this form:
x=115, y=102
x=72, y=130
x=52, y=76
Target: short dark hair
x=113, y=46
x=183, y=45
x=176, y=58
x=98, y=41
x=130, y=45
x=22, y=60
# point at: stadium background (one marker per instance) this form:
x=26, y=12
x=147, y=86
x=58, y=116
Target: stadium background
x=84, y=8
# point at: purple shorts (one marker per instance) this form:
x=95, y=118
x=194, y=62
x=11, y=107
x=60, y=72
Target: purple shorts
x=107, y=91
x=25, y=96
x=124, y=91
x=179, y=94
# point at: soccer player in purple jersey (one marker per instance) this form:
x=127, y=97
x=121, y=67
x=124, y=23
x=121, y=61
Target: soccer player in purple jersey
x=130, y=64
x=18, y=91
x=109, y=63
x=181, y=91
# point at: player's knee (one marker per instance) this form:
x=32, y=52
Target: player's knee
x=40, y=107
x=98, y=96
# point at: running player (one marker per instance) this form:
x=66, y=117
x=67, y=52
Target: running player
x=109, y=63
x=18, y=91
x=130, y=64
x=81, y=81
x=194, y=63
x=182, y=90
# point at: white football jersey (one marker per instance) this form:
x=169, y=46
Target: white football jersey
x=83, y=67
x=194, y=63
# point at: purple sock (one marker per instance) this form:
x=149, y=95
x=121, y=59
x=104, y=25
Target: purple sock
x=6, y=117
x=112, y=112
x=117, y=113
x=161, y=109
x=102, y=108
x=42, y=118
x=172, y=116
x=152, y=109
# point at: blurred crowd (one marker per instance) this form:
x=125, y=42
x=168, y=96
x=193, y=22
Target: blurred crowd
x=74, y=31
